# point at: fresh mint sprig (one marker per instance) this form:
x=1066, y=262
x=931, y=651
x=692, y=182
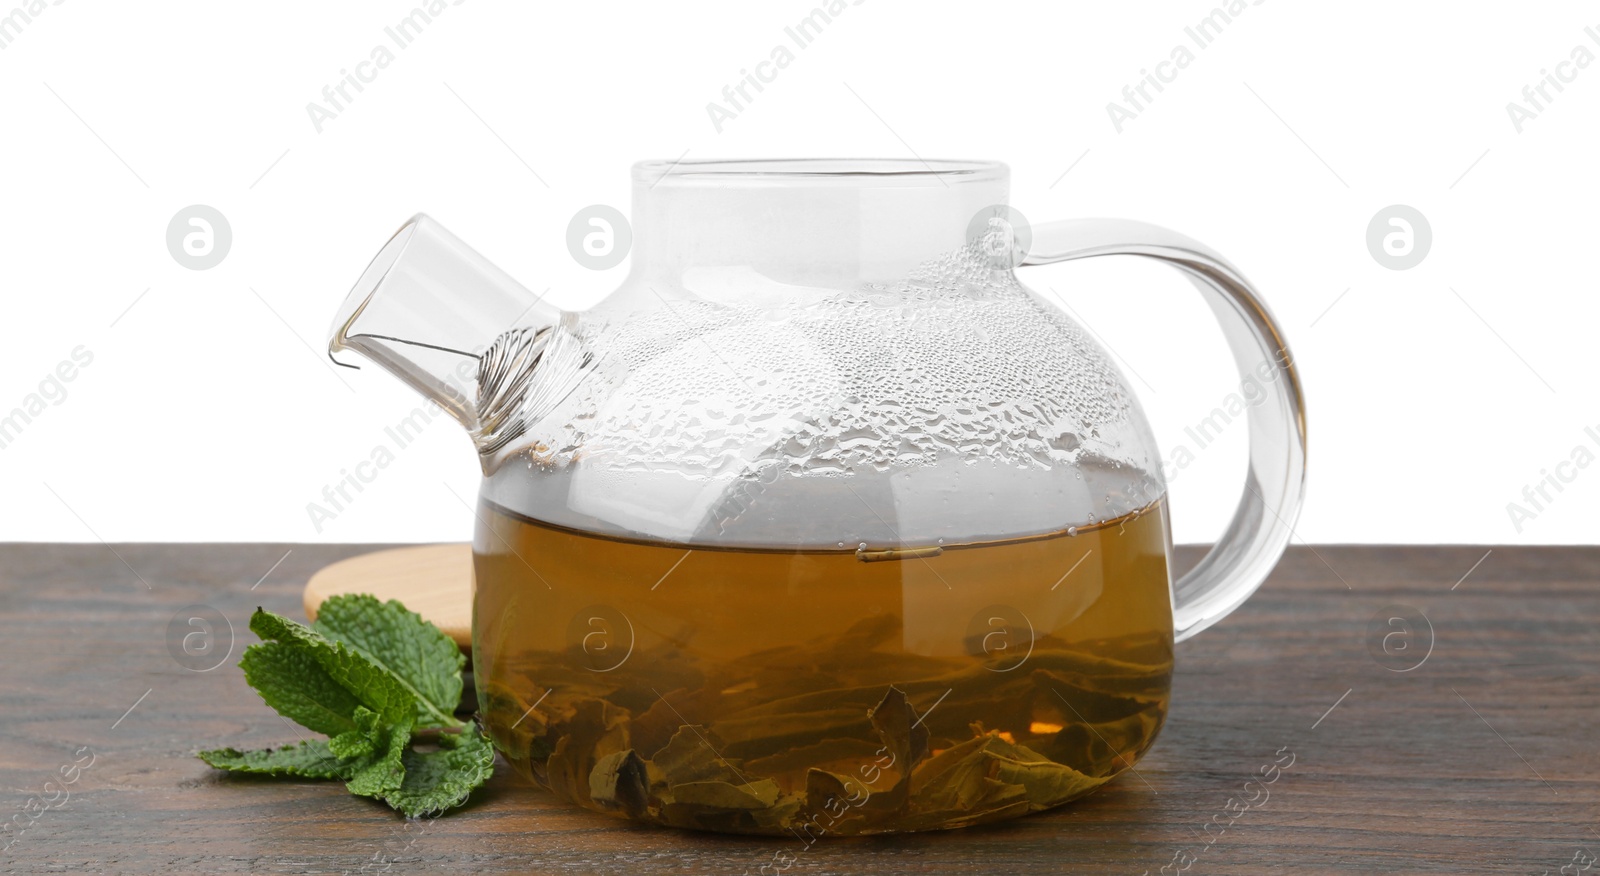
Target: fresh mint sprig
x=368, y=675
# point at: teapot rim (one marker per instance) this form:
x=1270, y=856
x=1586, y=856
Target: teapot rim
x=854, y=171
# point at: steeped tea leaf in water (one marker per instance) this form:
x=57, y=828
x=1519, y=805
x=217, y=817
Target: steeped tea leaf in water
x=817, y=693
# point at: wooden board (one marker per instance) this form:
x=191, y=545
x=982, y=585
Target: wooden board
x=1481, y=760
x=432, y=580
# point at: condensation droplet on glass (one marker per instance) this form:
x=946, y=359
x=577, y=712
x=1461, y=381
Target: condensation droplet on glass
x=1072, y=530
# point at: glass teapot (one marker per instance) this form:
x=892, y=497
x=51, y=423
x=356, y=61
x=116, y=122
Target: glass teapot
x=823, y=524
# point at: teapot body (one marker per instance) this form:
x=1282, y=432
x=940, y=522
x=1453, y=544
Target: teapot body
x=827, y=544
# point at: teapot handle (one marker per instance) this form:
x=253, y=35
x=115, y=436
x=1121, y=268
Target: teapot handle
x=1275, y=481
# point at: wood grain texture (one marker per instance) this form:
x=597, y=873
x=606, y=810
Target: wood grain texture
x=1482, y=759
x=433, y=580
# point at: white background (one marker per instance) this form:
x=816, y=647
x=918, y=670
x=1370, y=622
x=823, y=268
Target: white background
x=209, y=413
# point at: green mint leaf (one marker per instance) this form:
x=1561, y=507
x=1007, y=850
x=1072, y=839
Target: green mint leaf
x=351, y=745
x=372, y=684
x=442, y=779
x=381, y=772
x=367, y=677
x=426, y=661
x=361, y=741
x=291, y=681
x=310, y=760
x=366, y=720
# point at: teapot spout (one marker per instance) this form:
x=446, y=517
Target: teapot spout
x=457, y=329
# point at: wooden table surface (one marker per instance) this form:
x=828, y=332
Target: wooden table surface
x=1481, y=759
